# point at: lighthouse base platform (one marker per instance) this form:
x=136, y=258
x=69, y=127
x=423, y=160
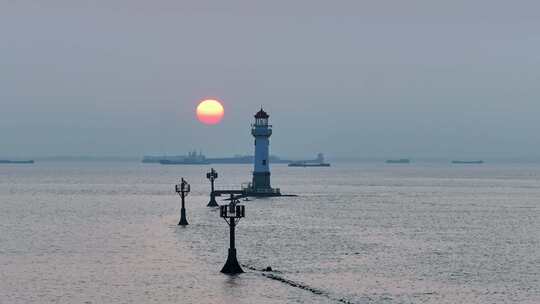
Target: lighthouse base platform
x=250, y=190
x=253, y=191
x=261, y=192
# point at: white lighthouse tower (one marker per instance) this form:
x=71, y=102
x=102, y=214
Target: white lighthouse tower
x=262, y=131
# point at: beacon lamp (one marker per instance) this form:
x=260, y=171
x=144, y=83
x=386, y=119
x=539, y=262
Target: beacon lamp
x=212, y=176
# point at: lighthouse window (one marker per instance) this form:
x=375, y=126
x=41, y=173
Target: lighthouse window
x=264, y=162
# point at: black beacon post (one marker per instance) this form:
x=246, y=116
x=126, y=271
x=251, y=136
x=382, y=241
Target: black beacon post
x=212, y=175
x=232, y=214
x=183, y=189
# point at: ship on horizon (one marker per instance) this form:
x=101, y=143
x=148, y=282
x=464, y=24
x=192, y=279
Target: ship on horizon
x=199, y=159
x=318, y=162
x=5, y=161
x=467, y=162
x=193, y=158
x=399, y=161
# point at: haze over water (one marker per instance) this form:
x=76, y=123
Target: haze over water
x=357, y=233
x=416, y=78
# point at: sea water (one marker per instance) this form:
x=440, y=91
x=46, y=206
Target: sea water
x=106, y=232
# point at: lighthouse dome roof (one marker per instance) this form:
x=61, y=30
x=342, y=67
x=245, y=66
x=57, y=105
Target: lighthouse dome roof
x=261, y=114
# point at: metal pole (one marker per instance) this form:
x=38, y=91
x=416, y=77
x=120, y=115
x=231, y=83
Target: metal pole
x=183, y=220
x=232, y=226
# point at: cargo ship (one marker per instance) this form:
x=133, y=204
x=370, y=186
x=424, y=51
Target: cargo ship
x=3, y=161
x=191, y=159
x=466, y=162
x=183, y=162
x=306, y=164
x=318, y=162
x=203, y=160
x=399, y=161
x=245, y=159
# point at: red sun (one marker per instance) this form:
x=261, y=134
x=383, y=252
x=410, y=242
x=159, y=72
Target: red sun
x=210, y=111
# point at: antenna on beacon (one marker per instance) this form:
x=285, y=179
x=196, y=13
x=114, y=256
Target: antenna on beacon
x=212, y=176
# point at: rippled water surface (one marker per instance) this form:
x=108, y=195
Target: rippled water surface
x=357, y=233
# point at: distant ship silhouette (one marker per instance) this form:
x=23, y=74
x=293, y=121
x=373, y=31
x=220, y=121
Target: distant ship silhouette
x=399, y=161
x=318, y=162
x=199, y=159
x=3, y=161
x=467, y=162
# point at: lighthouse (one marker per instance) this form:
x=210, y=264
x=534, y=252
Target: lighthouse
x=262, y=131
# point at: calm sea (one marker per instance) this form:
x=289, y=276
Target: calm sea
x=105, y=232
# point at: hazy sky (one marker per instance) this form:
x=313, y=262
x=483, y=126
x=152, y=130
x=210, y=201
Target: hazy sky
x=348, y=78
